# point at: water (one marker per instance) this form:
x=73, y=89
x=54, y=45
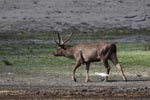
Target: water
x=102, y=99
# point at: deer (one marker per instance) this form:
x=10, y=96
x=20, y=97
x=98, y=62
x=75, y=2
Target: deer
x=88, y=52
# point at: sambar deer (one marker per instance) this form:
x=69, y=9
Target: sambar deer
x=89, y=52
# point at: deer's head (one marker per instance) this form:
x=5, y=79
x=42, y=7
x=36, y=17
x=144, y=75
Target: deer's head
x=61, y=49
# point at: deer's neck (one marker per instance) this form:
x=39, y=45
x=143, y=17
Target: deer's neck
x=69, y=52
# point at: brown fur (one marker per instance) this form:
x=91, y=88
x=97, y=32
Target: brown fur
x=90, y=52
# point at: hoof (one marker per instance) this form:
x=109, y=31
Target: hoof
x=74, y=79
x=104, y=80
x=88, y=81
x=125, y=79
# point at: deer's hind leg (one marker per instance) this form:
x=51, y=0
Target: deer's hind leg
x=114, y=60
x=105, y=62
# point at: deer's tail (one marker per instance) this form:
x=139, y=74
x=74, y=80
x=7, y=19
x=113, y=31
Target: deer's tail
x=110, y=50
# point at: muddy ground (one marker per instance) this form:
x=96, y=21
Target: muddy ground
x=58, y=86
x=43, y=16
x=61, y=87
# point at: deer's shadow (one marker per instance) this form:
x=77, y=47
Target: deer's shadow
x=129, y=79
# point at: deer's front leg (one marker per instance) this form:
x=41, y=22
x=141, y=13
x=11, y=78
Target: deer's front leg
x=87, y=72
x=74, y=71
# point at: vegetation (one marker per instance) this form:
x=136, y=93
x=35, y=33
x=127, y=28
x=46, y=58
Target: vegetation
x=39, y=59
x=102, y=33
x=31, y=58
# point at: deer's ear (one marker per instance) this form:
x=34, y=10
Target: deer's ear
x=63, y=47
x=59, y=45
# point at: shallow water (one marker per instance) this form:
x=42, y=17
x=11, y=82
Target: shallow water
x=99, y=99
x=83, y=99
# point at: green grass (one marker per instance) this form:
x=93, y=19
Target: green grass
x=32, y=59
x=134, y=58
x=102, y=33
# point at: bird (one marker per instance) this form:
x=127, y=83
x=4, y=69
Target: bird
x=101, y=74
x=6, y=62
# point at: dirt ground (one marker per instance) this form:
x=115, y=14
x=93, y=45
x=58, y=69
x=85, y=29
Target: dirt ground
x=61, y=87
x=43, y=16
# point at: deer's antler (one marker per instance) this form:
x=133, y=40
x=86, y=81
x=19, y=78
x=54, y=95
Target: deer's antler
x=60, y=41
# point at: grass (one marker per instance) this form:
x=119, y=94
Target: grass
x=102, y=33
x=30, y=59
x=134, y=58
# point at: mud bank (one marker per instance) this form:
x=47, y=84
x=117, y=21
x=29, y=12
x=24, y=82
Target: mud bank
x=81, y=91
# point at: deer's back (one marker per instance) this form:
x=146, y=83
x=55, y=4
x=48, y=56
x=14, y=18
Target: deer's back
x=92, y=51
x=93, y=45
